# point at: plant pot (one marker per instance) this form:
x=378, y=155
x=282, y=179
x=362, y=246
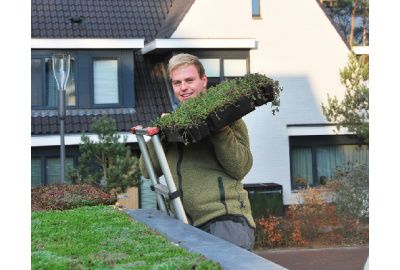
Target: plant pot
x=190, y=134
x=198, y=132
x=264, y=96
x=176, y=135
x=231, y=113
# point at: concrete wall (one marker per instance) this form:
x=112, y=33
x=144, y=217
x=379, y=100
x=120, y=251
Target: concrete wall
x=296, y=45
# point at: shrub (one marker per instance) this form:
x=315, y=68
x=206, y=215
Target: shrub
x=351, y=186
x=106, y=159
x=63, y=197
x=263, y=205
x=268, y=232
x=310, y=211
x=312, y=220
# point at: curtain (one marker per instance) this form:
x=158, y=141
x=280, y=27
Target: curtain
x=330, y=157
x=301, y=158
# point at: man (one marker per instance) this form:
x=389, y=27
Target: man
x=208, y=174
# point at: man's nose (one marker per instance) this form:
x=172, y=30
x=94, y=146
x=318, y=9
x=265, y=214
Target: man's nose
x=184, y=86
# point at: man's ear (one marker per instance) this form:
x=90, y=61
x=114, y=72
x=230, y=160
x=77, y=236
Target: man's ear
x=205, y=80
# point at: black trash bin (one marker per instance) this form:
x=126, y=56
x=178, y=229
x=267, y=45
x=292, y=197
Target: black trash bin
x=265, y=199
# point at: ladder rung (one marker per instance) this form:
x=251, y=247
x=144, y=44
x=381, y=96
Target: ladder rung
x=162, y=189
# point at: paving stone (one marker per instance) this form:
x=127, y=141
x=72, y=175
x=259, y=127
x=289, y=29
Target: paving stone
x=338, y=258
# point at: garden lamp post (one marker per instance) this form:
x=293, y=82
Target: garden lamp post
x=61, y=66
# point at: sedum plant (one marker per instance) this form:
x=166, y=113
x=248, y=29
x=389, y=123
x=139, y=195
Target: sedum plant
x=195, y=111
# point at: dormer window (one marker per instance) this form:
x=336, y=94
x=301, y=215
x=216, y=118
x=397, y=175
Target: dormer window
x=98, y=79
x=44, y=87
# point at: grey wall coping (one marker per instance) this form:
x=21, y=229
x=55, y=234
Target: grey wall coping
x=197, y=241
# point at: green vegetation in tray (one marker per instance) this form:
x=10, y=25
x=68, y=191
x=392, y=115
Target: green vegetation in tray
x=195, y=111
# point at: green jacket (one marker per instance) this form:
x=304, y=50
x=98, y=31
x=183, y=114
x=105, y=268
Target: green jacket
x=208, y=174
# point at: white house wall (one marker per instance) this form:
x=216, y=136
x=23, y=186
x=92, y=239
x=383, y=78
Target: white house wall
x=296, y=45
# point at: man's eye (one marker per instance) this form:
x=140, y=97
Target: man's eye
x=177, y=83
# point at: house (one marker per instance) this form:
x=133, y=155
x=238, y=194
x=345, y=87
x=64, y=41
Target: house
x=291, y=41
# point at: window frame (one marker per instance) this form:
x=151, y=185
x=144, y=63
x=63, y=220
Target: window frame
x=315, y=141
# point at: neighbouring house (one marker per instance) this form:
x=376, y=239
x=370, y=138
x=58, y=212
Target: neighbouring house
x=125, y=45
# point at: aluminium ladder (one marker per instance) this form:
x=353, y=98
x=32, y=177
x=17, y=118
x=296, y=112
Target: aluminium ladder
x=160, y=190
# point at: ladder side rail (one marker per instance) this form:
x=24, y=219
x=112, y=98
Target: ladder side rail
x=177, y=203
x=150, y=169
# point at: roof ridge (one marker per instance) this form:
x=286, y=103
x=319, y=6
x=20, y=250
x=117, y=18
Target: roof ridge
x=176, y=14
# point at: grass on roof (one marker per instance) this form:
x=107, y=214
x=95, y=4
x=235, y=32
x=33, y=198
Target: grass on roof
x=100, y=237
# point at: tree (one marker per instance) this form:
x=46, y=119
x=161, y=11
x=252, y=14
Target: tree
x=353, y=21
x=353, y=111
x=106, y=163
x=365, y=19
x=350, y=184
x=347, y=16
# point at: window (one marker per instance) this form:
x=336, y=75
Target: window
x=51, y=85
x=301, y=160
x=46, y=170
x=255, y=4
x=98, y=79
x=36, y=82
x=218, y=69
x=105, y=80
x=212, y=67
x=235, y=67
x=313, y=158
x=220, y=65
x=36, y=172
x=44, y=88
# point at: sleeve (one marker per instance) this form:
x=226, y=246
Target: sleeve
x=154, y=159
x=232, y=149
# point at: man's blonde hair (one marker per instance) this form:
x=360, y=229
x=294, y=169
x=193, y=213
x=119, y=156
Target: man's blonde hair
x=185, y=59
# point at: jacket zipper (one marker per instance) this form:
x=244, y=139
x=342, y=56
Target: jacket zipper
x=242, y=204
x=222, y=194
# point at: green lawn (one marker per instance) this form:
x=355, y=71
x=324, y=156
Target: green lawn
x=101, y=237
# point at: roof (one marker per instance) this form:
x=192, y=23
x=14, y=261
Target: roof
x=99, y=19
x=173, y=19
x=110, y=19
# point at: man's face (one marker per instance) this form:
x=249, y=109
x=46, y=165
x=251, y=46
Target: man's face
x=187, y=83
